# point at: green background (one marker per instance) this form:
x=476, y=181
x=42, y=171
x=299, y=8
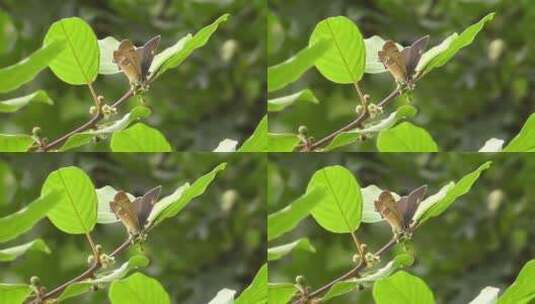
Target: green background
x=217, y=93
x=216, y=242
x=482, y=240
x=469, y=100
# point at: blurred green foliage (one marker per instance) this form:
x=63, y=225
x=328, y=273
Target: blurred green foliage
x=216, y=242
x=482, y=240
x=484, y=91
x=217, y=93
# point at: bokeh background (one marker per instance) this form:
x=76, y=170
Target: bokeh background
x=216, y=242
x=482, y=240
x=485, y=91
x=217, y=93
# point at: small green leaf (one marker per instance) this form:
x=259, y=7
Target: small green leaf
x=138, y=289
x=525, y=140
x=437, y=57
x=281, y=293
x=14, y=293
x=435, y=208
x=488, y=295
x=10, y=254
x=281, y=103
x=107, y=46
x=340, y=210
x=172, y=205
x=226, y=145
x=287, y=219
x=257, y=290
x=282, y=142
x=76, y=211
x=224, y=296
x=277, y=252
x=78, y=63
x=522, y=291
x=24, y=71
x=139, y=138
x=345, y=60
x=289, y=71
x=176, y=54
x=15, y=142
x=23, y=220
x=406, y=137
x=402, y=288
x=259, y=140
x=492, y=145
x=15, y=104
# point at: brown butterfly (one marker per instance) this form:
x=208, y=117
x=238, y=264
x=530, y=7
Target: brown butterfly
x=134, y=61
x=134, y=214
x=399, y=213
x=402, y=65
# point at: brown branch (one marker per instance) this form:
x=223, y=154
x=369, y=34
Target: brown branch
x=354, y=124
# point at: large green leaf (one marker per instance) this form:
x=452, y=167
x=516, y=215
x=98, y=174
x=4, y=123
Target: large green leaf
x=277, y=252
x=289, y=71
x=402, y=288
x=280, y=103
x=11, y=253
x=340, y=210
x=23, y=220
x=176, y=54
x=256, y=292
x=14, y=293
x=282, y=142
x=15, y=104
x=440, y=55
x=76, y=211
x=24, y=71
x=281, y=293
x=139, y=138
x=522, y=291
x=138, y=289
x=406, y=137
x=15, y=142
x=259, y=140
x=79, y=62
x=525, y=140
x=345, y=60
x=286, y=219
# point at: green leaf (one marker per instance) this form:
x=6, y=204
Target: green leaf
x=224, y=296
x=76, y=211
x=281, y=103
x=340, y=210
x=439, y=56
x=83, y=138
x=23, y=220
x=257, y=291
x=280, y=293
x=277, y=252
x=426, y=211
x=287, y=219
x=24, y=71
x=402, y=288
x=339, y=289
x=176, y=54
x=345, y=60
x=10, y=254
x=492, y=145
x=138, y=289
x=14, y=293
x=488, y=295
x=226, y=145
x=522, y=291
x=107, y=46
x=15, y=104
x=172, y=205
x=15, y=142
x=79, y=62
x=259, y=140
x=282, y=142
x=406, y=137
x=292, y=69
x=139, y=138
x=525, y=140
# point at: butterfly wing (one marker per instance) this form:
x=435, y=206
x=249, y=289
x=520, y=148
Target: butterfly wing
x=413, y=54
x=146, y=53
x=124, y=210
x=408, y=204
x=386, y=206
x=144, y=204
x=392, y=59
x=128, y=61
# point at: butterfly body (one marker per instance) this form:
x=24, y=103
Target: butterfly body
x=402, y=64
